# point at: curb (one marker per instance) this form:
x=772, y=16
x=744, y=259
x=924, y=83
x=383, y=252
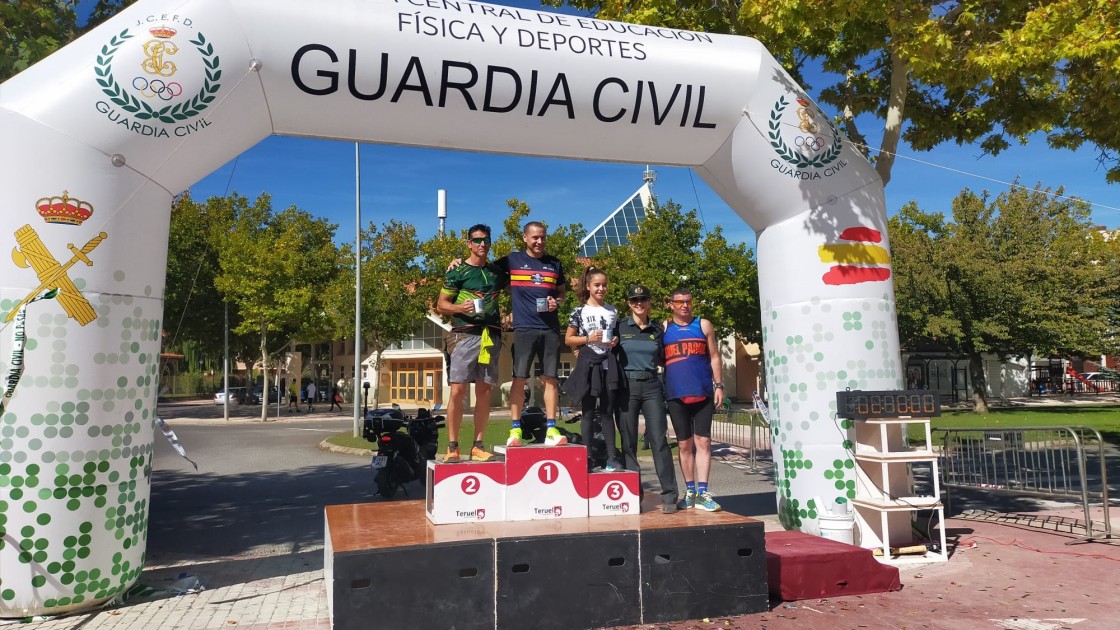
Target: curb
x=345, y=450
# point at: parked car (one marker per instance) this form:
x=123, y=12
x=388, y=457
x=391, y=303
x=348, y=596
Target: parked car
x=237, y=396
x=258, y=392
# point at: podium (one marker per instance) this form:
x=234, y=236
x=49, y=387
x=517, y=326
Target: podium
x=546, y=482
x=513, y=544
x=387, y=566
x=616, y=493
x=468, y=492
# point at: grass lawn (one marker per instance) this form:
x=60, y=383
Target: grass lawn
x=1104, y=419
x=497, y=430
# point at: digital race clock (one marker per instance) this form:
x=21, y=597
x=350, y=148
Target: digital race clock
x=861, y=405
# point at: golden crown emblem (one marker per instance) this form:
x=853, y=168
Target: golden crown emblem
x=64, y=209
x=162, y=32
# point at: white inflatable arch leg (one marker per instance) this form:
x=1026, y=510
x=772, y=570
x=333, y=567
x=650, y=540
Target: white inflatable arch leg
x=99, y=137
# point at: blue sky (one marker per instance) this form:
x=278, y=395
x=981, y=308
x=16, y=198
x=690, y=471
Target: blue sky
x=402, y=182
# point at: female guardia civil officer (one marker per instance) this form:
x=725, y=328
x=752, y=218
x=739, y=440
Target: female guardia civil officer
x=640, y=352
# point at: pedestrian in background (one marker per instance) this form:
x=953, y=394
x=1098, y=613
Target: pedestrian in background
x=293, y=398
x=311, y=391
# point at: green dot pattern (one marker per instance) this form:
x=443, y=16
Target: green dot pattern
x=813, y=349
x=75, y=454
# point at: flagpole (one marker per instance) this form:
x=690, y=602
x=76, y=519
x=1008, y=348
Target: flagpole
x=357, y=289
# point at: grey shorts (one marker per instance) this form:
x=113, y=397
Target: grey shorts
x=543, y=345
x=465, y=367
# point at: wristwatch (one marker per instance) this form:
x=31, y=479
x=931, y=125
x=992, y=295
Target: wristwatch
x=718, y=386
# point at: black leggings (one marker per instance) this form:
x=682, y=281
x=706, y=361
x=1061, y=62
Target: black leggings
x=605, y=407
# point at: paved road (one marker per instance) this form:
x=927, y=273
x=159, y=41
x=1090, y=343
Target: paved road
x=261, y=487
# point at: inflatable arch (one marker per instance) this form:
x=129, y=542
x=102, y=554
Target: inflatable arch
x=98, y=137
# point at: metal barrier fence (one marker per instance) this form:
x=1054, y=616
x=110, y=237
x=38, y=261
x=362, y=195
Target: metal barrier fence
x=1039, y=461
x=745, y=429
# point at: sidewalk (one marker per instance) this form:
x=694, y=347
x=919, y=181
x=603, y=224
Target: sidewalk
x=1000, y=575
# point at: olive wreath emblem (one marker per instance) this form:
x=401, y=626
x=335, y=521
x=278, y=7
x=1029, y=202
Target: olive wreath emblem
x=793, y=157
x=143, y=111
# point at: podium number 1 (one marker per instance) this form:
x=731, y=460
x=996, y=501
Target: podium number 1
x=547, y=472
x=470, y=484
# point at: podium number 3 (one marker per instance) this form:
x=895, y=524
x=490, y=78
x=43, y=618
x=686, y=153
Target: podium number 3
x=547, y=472
x=614, y=491
x=470, y=484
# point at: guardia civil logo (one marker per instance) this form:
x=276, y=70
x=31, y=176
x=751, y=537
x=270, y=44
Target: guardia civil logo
x=158, y=77
x=806, y=142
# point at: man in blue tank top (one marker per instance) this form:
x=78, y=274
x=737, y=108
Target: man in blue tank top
x=693, y=388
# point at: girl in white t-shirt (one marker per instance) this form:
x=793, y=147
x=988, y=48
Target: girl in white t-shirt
x=592, y=332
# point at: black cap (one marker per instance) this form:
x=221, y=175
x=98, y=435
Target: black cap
x=637, y=291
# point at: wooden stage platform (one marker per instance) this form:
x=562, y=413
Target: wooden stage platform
x=387, y=566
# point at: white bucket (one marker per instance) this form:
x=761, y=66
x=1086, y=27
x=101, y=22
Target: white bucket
x=838, y=527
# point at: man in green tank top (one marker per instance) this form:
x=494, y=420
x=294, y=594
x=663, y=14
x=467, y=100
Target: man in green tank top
x=470, y=297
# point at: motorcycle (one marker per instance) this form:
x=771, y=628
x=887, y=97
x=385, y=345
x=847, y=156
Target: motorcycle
x=404, y=446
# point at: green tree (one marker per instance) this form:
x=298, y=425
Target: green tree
x=960, y=70
x=1023, y=274
x=274, y=267
x=670, y=249
x=395, y=295
x=32, y=29
x=193, y=308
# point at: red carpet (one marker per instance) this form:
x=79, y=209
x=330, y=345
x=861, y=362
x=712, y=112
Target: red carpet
x=803, y=566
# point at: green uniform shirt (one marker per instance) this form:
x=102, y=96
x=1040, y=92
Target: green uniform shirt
x=467, y=282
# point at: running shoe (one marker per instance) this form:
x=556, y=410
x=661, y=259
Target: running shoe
x=452, y=455
x=553, y=437
x=480, y=455
x=612, y=465
x=689, y=500
x=706, y=503
x=515, y=437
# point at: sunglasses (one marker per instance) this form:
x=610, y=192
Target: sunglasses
x=682, y=302
x=481, y=240
x=638, y=300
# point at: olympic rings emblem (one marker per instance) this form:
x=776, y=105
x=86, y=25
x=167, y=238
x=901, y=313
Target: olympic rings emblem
x=157, y=87
x=809, y=142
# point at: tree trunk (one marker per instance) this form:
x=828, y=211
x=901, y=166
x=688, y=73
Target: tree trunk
x=376, y=377
x=896, y=108
x=264, y=370
x=979, y=382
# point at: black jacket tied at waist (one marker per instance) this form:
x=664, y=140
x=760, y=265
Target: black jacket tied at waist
x=595, y=374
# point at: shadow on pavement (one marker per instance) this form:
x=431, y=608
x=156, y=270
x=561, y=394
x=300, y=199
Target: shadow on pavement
x=284, y=509
x=751, y=505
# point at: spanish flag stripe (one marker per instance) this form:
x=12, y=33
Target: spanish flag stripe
x=521, y=275
x=853, y=253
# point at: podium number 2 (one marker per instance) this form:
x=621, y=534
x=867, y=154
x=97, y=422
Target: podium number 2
x=547, y=472
x=614, y=491
x=470, y=484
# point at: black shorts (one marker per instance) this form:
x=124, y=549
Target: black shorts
x=543, y=345
x=692, y=418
